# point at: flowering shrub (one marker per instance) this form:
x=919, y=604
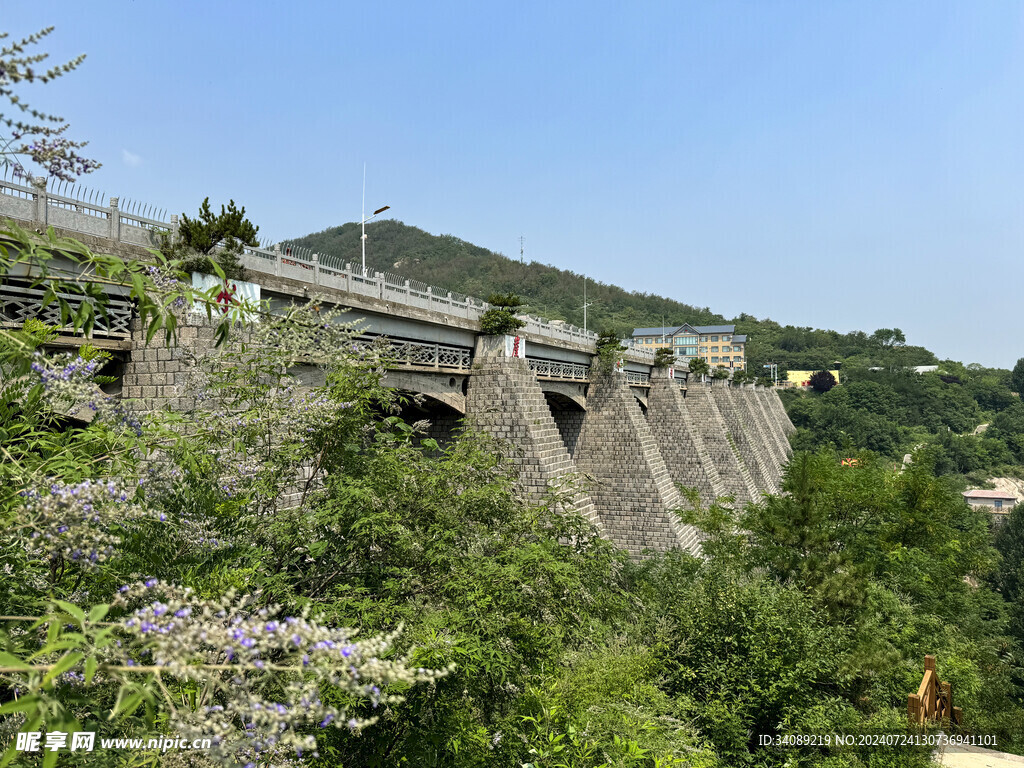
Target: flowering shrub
x=77, y=522
x=257, y=678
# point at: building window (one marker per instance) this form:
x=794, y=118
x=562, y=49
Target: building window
x=703, y=338
x=999, y=503
x=727, y=338
x=714, y=349
x=714, y=338
x=714, y=359
x=737, y=358
x=703, y=350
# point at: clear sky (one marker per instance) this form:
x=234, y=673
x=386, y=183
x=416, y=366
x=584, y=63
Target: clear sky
x=847, y=165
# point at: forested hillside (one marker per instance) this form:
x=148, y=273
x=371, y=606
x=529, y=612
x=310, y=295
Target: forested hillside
x=451, y=263
x=454, y=264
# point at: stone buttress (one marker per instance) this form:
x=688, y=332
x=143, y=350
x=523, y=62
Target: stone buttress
x=747, y=436
x=705, y=414
x=679, y=441
x=780, y=444
x=775, y=403
x=505, y=400
x=629, y=481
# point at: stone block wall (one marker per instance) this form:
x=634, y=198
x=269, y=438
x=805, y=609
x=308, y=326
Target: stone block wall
x=705, y=414
x=747, y=437
x=630, y=484
x=155, y=374
x=568, y=418
x=775, y=401
x=679, y=441
x=779, y=444
x=745, y=399
x=505, y=400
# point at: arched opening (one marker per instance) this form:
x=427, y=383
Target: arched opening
x=443, y=421
x=568, y=416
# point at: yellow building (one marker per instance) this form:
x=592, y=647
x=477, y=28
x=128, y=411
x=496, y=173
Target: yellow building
x=719, y=345
x=803, y=378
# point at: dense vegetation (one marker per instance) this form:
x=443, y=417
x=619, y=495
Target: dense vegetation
x=894, y=412
x=513, y=635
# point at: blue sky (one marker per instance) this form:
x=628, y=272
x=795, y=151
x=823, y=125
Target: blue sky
x=846, y=165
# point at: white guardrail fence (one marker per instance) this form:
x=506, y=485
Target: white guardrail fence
x=80, y=211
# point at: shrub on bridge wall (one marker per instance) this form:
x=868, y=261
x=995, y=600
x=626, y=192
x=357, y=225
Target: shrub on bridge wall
x=500, y=319
x=663, y=357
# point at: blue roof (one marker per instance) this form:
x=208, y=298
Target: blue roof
x=665, y=331
x=715, y=328
x=672, y=330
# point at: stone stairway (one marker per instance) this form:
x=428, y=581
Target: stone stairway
x=703, y=412
x=766, y=430
x=780, y=445
x=747, y=436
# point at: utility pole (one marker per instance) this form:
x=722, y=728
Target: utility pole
x=522, y=260
x=585, y=304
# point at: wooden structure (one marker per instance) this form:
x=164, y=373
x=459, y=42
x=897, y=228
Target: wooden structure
x=933, y=701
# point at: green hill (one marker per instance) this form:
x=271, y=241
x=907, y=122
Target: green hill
x=557, y=294
x=451, y=263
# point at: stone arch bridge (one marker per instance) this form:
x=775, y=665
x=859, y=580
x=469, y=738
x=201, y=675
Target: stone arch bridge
x=619, y=443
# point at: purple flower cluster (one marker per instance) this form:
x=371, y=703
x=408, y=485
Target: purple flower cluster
x=164, y=282
x=76, y=521
x=68, y=384
x=242, y=652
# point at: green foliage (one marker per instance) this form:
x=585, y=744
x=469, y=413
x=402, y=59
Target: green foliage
x=720, y=372
x=699, y=367
x=663, y=357
x=810, y=612
x=1008, y=577
x=856, y=571
x=822, y=381
x=501, y=319
x=1017, y=377
x=212, y=239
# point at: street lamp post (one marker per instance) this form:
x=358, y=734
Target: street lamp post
x=366, y=218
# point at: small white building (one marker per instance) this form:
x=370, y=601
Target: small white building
x=999, y=502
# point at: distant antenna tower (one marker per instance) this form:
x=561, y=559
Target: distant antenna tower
x=522, y=259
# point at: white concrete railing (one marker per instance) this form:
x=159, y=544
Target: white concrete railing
x=553, y=369
x=636, y=379
x=34, y=202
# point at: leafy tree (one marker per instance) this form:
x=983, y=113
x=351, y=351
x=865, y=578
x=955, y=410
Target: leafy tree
x=501, y=318
x=991, y=395
x=1017, y=377
x=213, y=238
x=720, y=372
x=38, y=135
x=822, y=381
x=699, y=367
x=1009, y=574
x=663, y=357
